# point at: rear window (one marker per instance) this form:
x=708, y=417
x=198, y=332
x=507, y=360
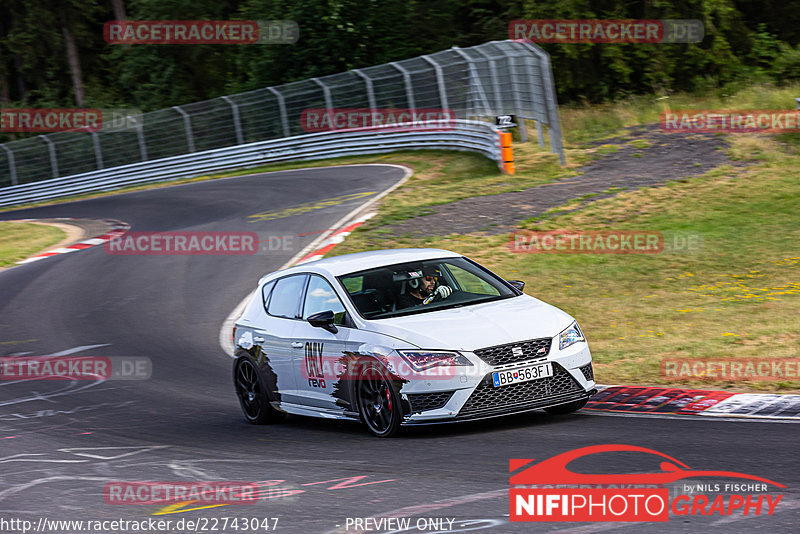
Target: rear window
x=265, y=292
x=285, y=298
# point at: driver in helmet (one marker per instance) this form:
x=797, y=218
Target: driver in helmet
x=423, y=288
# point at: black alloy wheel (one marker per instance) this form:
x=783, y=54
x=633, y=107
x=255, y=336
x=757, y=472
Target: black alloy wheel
x=378, y=400
x=253, y=396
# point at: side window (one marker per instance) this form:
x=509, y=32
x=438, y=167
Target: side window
x=285, y=298
x=471, y=283
x=265, y=291
x=321, y=297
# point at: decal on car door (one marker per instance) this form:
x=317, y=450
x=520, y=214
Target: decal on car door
x=314, y=366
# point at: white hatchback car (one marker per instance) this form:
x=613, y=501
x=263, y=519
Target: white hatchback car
x=404, y=337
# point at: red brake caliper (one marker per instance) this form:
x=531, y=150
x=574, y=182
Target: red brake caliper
x=389, y=399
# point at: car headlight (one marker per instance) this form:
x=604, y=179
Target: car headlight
x=572, y=334
x=420, y=360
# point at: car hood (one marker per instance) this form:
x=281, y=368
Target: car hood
x=476, y=326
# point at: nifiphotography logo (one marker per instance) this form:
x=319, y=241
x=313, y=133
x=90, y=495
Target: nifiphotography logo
x=549, y=491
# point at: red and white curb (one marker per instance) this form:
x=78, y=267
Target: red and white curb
x=334, y=239
x=117, y=229
x=666, y=401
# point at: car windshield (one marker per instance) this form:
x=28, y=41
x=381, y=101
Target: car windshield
x=419, y=287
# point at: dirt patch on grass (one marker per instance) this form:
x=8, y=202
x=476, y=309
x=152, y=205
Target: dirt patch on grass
x=644, y=157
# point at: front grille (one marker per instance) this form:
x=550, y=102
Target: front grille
x=487, y=399
x=588, y=372
x=503, y=354
x=428, y=401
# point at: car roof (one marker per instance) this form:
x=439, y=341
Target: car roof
x=359, y=261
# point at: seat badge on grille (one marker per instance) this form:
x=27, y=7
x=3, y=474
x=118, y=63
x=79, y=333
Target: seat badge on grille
x=516, y=351
x=542, y=350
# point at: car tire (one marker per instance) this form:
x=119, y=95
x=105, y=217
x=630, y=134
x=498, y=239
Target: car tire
x=254, y=396
x=378, y=399
x=566, y=408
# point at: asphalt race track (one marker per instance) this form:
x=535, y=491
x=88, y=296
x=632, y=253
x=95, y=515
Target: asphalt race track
x=61, y=442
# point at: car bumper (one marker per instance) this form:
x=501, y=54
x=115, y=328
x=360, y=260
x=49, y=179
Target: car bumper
x=470, y=394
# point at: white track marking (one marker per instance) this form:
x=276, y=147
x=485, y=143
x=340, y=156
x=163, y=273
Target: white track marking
x=94, y=452
x=73, y=350
x=25, y=457
x=57, y=478
x=36, y=396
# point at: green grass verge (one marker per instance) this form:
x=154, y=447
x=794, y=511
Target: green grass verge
x=20, y=240
x=584, y=123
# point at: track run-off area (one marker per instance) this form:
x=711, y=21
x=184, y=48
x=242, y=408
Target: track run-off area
x=63, y=441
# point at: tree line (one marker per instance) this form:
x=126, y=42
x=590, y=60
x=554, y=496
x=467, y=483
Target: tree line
x=53, y=54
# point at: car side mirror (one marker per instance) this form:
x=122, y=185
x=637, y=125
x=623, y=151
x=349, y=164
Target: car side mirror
x=323, y=320
x=517, y=284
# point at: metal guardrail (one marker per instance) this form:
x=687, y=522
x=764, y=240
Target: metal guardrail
x=474, y=136
x=495, y=78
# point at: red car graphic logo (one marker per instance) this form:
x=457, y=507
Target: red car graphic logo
x=554, y=470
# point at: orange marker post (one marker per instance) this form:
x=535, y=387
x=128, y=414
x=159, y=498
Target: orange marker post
x=507, y=152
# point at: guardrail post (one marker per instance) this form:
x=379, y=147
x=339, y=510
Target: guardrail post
x=140, y=136
x=550, y=100
x=370, y=89
x=540, y=133
x=237, y=125
x=439, y=81
x=53, y=160
x=498, y=100
x=12, y=166
x=555, y=124
x=98, y=154
x=512, y=65
x=529, y=74
x=407, y=79
x=187, y=124
x=282, y=107
x=328, y=102
x=474, y=79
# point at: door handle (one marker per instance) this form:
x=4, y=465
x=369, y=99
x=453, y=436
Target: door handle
x=258, y=339
x=297, y=344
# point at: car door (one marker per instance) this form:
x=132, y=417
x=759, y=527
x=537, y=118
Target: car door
x=319, y=352
x=283, y=309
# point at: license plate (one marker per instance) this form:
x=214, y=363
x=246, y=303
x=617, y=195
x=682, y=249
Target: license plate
x=523, y=374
